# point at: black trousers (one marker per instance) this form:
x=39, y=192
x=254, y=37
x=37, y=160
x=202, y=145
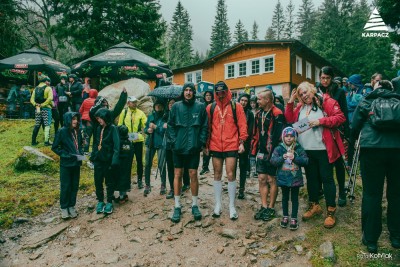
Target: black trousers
x=293, y=194
x=62, y=109
x=104, y=172
x=376, y=164
x=150, y=153
x=88, y=132
x=319, y=166
x=244, y=163
x=69, y=184
x=138, y=147
x=56, y=117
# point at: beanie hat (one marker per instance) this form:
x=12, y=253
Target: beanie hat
x=73, y=76
x=355, y=79
x=289, y=131
x=43, y=78
x=191, y=86
x=63, y=76
x=221, y=86
x=269, y=87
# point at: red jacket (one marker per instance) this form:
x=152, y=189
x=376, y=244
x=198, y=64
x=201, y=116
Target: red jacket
x=333, y=119
x=225, y=136
x=87, y=104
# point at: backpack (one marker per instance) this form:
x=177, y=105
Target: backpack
x=233, y=105
x=39, y=94
x=385, y=113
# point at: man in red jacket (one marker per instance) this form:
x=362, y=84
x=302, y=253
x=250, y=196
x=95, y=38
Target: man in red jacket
x=269, y=122
x=227, y=134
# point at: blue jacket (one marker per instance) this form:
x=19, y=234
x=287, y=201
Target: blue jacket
x=155, y=139
x=289, y=174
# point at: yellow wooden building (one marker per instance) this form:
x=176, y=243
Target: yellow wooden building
x=283, y=64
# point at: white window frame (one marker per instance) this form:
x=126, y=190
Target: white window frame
x=273, y=64
x=245, y=69
x=192, y=74
x=251, y=66
x=227, y=71
x=299, y=65
x=316, y=72
x=308, y=70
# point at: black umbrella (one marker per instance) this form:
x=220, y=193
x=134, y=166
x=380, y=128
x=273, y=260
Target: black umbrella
x=167, y=92
x=24, y=66
x=122, y=61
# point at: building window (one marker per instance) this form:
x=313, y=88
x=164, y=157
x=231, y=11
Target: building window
x=255, y=66
x=198, y=76
x=189, y=77
x=194, y=77
x=299, y=65
x=242, y=69
x=308, y=70
x=269, y=64
x=230, y=71
x=317, y=70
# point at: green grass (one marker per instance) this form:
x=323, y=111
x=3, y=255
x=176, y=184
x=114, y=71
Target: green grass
x=29, y=193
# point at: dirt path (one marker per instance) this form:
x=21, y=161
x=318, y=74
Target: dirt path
x=140, y=233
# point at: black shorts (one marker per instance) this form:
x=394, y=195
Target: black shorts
x=263, y=166
x=190, y=161
x=224, y=155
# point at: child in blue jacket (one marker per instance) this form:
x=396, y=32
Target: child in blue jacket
x=289, y=156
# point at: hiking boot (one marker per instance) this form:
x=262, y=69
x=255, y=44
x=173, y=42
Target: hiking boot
x=285, y=221
x=170, y=195
x=108, y=209
x=163, y=191
x=259, y=213
x=255, y=175
x=342, y=200
x=294, y=225
x=204, y=171
x=241, y=194
x=313, y=209
x=147, y=190
x=268, y=215
x=64, y=214
x=123, y=200
x=140, y=184
x=72, y=212
x=176, y=217
x=48, y=143
x=330, y=220
x=371, y=247
x=100, y=207
x=196, y=213
x=35, y=143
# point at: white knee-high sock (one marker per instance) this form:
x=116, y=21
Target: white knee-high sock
x=217, y=195
x=232, y=194
x=177, y=201
x=195, y=200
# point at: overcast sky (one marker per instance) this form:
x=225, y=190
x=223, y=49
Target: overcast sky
x=202, y=14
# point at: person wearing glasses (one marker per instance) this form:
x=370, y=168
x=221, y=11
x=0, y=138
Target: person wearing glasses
x=322, y=143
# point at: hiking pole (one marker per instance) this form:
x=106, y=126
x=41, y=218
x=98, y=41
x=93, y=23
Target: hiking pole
x=353, y=172
x=163, y=156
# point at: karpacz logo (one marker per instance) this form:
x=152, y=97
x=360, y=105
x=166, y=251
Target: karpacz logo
x=375, y=26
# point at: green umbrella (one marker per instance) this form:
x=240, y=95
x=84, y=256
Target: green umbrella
x=24, y=66
x=122, y=61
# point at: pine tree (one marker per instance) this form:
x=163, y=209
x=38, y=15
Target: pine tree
x=278, y=21
x=270, y=34
x=220, y=34
x=198, y=58
x=240, y=34
x=289, y=31
x=181, y=35
x=10, y=40
x=306, y=21
x=254, y=33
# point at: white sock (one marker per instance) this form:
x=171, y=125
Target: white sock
x=217, y=195
x=232, y=194
x=177, y=201
x=194, y=200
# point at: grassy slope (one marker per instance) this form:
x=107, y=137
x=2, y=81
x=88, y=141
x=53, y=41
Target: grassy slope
x=30, y=193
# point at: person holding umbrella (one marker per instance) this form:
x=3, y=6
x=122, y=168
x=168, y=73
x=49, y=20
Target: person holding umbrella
x=41, y=99
x=155, y=129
